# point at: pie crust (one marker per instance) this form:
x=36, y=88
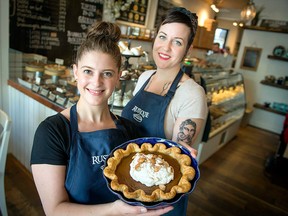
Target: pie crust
x=34, y=67
x=118, y=166
x=54, y=69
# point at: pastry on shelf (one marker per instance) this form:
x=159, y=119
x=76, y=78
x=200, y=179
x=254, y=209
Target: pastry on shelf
x=54, y=69
x=35, y=66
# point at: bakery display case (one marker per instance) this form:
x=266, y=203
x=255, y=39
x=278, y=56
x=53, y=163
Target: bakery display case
x=122, y=95
x=226, y=101
x=51, y=85
x=55, y=83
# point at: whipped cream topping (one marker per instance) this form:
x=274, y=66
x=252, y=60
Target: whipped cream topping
x=151, y=169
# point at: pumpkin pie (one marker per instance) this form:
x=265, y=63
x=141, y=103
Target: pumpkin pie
x=149, y=173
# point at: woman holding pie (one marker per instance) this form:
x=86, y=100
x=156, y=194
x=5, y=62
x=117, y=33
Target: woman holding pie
x=70, y=147
x=167, y=103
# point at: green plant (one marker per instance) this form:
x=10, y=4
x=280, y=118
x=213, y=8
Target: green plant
x=255, y=20
x=258, y=12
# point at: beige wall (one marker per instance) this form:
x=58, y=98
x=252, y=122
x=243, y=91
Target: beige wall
x=200, y=7
x=232, y=35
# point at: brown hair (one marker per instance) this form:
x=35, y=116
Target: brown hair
x=184, y=16
x=102, y=36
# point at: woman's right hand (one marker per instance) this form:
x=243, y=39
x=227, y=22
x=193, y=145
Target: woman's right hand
x=121, y=208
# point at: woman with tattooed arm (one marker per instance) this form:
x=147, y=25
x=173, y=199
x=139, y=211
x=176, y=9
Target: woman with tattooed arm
x=168, y=103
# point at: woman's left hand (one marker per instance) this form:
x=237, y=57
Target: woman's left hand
x=193, y=151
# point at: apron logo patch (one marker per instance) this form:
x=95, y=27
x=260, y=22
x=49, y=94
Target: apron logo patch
x=137, y=117
x=139, y=114
x=99, y=160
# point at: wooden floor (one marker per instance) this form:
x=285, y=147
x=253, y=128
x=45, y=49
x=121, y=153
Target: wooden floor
x=232, y=182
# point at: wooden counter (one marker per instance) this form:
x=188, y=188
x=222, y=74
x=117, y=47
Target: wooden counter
x=35, y=96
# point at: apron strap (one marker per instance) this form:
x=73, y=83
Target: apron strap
x=73, y=123
x=74, y=126
x=174, y=85
x=73, y=119
x=120, y=125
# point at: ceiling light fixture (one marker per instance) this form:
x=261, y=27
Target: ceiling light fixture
x=214, y=8
x=249, y=11
x=238, y=23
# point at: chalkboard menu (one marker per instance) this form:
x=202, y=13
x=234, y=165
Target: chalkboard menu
x=133, y=12
x=53, y=28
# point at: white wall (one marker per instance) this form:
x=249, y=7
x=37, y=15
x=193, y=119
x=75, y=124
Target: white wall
x=200, y=7
x=276, y=9
x=256, y=92
x=4, y=56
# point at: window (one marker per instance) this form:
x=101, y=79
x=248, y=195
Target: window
x=221, y=37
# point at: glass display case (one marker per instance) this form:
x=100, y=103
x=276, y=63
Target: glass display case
x=227, y=104
x=122, y=95
x=226, y=98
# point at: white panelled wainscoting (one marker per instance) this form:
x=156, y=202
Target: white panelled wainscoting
x=26, y=114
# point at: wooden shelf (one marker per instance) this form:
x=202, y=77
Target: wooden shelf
x=35, y=96
x=277, y=58
x=125, y=37
x=259, y=28
x=274, y=85
x=261, y=106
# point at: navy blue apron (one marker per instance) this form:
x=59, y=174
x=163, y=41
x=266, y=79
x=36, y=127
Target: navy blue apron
x=85, y=183
x=148, y=110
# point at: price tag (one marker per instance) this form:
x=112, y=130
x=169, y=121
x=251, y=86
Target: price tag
x=61, y=100
x=35, y=88
x=44, y=92
x=38, y=80
x=59, y=61
x=52, y=96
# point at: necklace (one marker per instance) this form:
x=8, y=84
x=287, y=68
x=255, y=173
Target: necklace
x=165, y=86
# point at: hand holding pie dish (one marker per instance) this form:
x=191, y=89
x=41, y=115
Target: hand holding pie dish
x=151, y=171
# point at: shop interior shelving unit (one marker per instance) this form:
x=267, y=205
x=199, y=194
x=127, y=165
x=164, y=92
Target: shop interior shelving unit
x=264, y=82
x=259, y=28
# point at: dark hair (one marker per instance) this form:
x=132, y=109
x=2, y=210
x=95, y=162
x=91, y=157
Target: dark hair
x=182, y=15
x=102, y=36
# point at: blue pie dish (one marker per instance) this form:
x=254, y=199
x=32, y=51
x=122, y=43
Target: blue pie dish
x=155, y=205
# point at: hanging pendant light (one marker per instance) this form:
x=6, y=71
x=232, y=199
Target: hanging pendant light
x=249, y=11
x=215, y=4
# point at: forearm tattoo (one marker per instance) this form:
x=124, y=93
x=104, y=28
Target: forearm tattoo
x=187, y=131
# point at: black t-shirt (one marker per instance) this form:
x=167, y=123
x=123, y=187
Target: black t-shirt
x=52, y=139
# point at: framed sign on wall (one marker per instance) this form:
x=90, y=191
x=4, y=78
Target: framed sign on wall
x=250, y=58
x=133, y=12
x=163, y=7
